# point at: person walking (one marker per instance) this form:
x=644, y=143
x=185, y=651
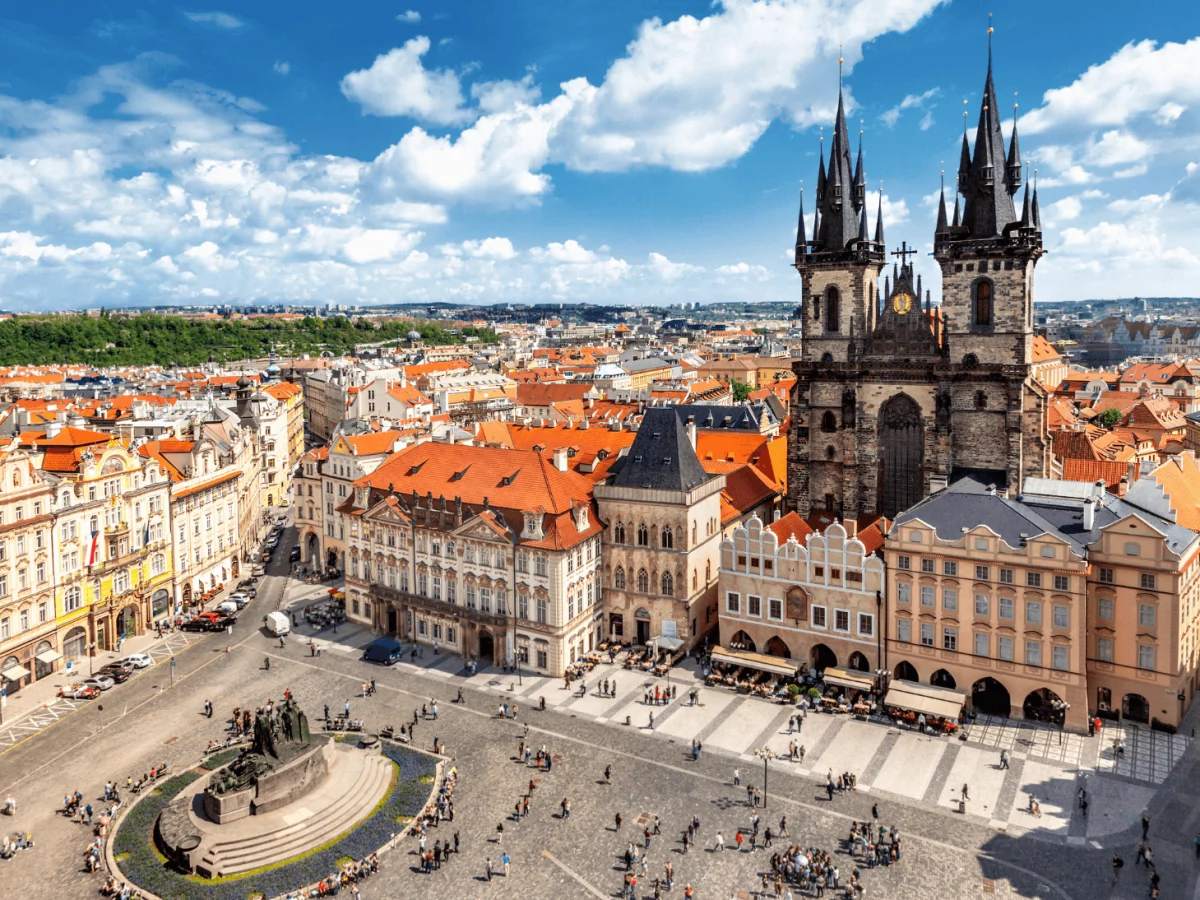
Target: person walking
x=1003, y=759
x=737, y=777
x=719, y=847
x=608, y=774
x=505, y=860
x=965, y=794
x=1117, y=865
x=783, y=829
x=489, y=868
x=208, y=709
x=651, y=721
x=739, y=840
x=566, y=808
x=619, y=821
x=1145, y=826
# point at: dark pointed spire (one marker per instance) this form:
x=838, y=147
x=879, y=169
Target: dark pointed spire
x=801, y=238
x=941, y=222
x=879, y=220
x=1037, y=213
x=1014, y=157
x=989, y=206
x=862, y=225
x=957, y=217
x=821, y=172
x=836, y=203
x=964, y=158
x=860, y=179
x=1026, y=220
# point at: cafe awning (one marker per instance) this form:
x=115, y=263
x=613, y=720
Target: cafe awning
x=777, y=665
x=14, y=673
x=666, y=643
x=848, y=678
x=49, y=656
x=925, y=698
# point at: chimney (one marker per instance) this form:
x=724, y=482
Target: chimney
x=1089, y=514
x=560, y=459
x=1123, y=486
x=53, y=428
x=851, y=526
x=691, y=433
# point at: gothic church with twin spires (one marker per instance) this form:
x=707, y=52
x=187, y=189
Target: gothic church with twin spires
x=896, y=398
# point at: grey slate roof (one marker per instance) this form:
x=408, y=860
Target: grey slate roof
x=711, y=415
x=965, y=504
x=661, y=457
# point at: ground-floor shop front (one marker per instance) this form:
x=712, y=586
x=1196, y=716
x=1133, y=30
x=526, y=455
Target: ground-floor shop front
x=31, y=658
x=483, y=637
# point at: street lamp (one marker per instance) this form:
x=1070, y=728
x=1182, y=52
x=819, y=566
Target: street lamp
x=91, y=656
x=765, y=754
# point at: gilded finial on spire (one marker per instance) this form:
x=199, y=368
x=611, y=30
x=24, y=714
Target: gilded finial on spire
x=840, y=61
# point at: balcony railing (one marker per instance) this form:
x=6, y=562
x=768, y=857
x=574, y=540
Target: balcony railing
x=443, y=607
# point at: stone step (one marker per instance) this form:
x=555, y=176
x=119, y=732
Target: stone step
x=279, y=843
x=231, y=857
x=293, y=840
x=364, y=776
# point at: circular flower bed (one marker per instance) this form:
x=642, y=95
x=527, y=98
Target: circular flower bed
x=141, y=863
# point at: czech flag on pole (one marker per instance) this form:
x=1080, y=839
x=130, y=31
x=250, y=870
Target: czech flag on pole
x=93, y=548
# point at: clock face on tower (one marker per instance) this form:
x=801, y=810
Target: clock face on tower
x=902, y=303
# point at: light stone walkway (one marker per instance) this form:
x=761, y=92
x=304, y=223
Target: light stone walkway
x=1045, y=762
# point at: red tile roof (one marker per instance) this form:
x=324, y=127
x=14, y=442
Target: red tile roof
x=511, y=481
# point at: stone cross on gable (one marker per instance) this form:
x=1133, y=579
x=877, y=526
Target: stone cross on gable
x=904, y=253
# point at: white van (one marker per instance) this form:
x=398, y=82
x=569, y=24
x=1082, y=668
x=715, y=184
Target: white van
x=278, y=623
x=229, y=607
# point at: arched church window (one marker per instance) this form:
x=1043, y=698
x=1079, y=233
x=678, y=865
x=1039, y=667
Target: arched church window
x=982, y=314
x=826, y=357
x=829, y=423
x=833, y=316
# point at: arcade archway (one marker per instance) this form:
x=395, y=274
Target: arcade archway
x=990, y=697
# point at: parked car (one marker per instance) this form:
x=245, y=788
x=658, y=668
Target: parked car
x=222, y=623
x=100, y=682
x=116, y=672
x=240, y=599
x=139, y=660
x=119, y=664
x=384, y=651
x=79, y=691
x=196, y=625
x=295, y=556
x=258, y=571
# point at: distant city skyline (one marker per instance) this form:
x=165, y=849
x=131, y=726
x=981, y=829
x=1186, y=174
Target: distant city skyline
x=562, y=152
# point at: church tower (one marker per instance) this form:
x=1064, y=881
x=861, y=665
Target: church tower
x=987, y=257
x=841, y=264
x=895, y=398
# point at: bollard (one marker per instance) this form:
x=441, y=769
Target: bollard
x=627, y=720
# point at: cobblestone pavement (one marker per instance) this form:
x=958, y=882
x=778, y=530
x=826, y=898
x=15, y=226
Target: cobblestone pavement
x=946, y=854
x=915, y=768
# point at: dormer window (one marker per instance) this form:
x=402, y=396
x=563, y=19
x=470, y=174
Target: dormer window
x=533, y=529
x=581, y=518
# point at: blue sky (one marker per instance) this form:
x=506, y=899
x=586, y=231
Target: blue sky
x=567, y=151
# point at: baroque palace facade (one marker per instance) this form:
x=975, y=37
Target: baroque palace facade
x=894, y=398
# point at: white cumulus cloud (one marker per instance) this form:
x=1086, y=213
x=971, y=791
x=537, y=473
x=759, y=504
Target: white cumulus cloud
x=398, y=84
x=219, y=19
